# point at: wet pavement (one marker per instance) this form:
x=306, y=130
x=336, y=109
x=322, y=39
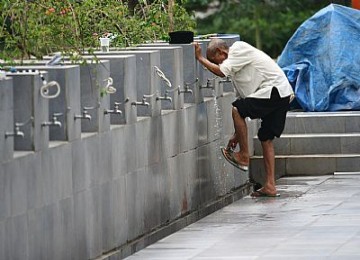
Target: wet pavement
x=314, y=218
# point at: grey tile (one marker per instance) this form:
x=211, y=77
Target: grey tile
x=135, y=201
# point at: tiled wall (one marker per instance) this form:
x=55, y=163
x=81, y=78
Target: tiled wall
x=93, y=190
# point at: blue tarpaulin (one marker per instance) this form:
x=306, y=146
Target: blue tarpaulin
x=322, y=60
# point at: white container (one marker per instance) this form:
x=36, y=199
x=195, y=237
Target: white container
x=105, y=44
x=2, y=74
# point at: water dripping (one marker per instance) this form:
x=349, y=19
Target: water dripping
x=219, y=166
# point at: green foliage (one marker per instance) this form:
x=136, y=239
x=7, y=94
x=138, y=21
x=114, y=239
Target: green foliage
x=267, y=24
x=38, y=28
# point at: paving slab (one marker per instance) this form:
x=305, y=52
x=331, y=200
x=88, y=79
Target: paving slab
x=315, y=217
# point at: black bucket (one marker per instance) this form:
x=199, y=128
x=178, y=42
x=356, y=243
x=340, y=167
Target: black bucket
x=181, y=37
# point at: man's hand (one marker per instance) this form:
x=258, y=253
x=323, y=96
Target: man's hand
x=214, y=68
x=198, y=53
x=232, y=142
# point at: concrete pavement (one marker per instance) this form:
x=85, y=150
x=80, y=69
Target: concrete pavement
x=314, y=218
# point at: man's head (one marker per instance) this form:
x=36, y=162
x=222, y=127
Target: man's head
x=217, y=51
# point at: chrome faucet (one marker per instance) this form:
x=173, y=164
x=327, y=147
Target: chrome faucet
x=166, y=97
x=54, y=120
x=208, y=84
x=17, y=131
x=187, y=88
x=141, y=103
x=85, y=114
x=226, y=80
x=115, y=111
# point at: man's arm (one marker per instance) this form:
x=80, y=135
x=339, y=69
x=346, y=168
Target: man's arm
x=214, y=68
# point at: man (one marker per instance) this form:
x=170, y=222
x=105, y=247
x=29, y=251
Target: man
x=263, y=92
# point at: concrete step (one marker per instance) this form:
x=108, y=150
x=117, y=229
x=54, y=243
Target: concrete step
x=305, y=165
x=320, y=143
x=322, y=122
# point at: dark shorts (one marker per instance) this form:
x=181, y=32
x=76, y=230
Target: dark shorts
x=272, y=113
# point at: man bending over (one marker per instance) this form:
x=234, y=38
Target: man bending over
x=263, y=92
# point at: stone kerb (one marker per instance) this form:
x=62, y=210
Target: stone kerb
x=31, y=110
x=7, y=128
x=66, y=105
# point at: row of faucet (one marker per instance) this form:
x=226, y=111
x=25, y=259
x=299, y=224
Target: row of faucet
x=187, y=89
x=55, y=122
x=116, y=110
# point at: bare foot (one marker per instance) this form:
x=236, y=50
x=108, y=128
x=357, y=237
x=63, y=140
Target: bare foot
x=242, y=159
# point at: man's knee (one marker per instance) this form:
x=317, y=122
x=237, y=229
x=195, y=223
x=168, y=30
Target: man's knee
x=235, y=113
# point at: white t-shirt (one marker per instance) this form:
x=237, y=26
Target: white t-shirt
x=253, y=72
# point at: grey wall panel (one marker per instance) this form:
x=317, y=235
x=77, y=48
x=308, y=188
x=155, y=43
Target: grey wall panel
x=80, y=246
x=17, y=237
x=18, y=182
x=118, y=151
x=171, y=64
x=66, y=231
x=202, y=123
x=35, y=186
x=191, y=197
x=93, y=222
x=3, y=239
x=57, y=177
x=28, y=104
x=121, y=216
x=85, y=162
x=152, y=201
x=190, y=66
x=189, y=128
x=67, y=103
x=195, y=186
x=171, y=127
x=123, y=73
x=206, y=183
x=155, y=136
x=142, y=142
x=6, y=119
x=135, y=201
x=218, y=176
x=93, y=79
x=131, y=148
x=107, y=217
x=164, y=178
x=105, y=172
x=6, y=171
x=147, y=83
x=176, y=185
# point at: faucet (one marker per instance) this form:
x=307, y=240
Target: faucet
x=166, y=97
x=227, y=79
x=141, y=103
x=208, y=84
x=187, y=87
x=54, y=121
x=115, y=111
x=85, y=114
x=17, y=131
x=186, y=90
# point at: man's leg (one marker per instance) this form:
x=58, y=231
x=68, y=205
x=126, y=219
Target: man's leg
x=269, y=163
x=241, y=135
